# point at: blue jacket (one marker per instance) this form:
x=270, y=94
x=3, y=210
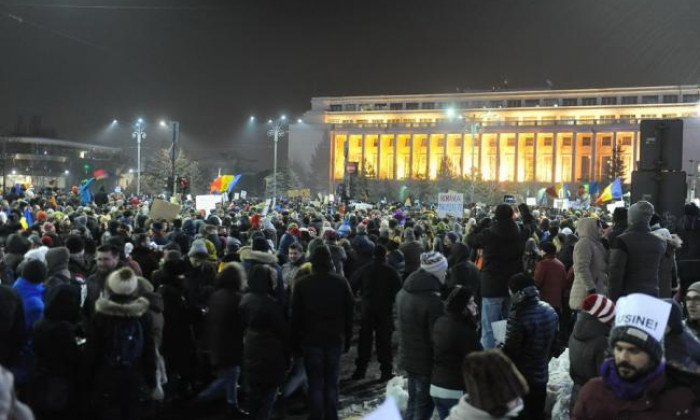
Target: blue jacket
x=32, y=300
x=85, y=194
x=530, y=332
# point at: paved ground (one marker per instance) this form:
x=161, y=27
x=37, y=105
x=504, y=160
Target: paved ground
x=356, y=397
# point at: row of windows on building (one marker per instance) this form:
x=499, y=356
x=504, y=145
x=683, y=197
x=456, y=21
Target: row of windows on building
x=518, y=103
x=605, y=141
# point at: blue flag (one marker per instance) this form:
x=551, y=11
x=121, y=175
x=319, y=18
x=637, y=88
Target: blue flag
x=233, y=183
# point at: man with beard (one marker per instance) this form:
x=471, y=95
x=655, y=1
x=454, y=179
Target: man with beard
x=636, y=383
x=106, y=262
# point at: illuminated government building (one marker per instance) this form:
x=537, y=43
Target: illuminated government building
x=541, y=136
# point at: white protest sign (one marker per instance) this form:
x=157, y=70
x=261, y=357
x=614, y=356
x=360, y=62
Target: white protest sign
x=612, y=206
x=267, y=207
x=207, y=202
x=531, y=201
x=450, y=204
x=244, y=194
x=236, y=196
x=643, y=312
x=499, y=331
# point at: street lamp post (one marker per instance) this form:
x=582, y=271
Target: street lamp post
x=276, y=132
x=138, y=134
x=173, y=150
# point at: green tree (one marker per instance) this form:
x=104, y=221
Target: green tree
x=446, y=176
x=157, y=173
x=618, y=168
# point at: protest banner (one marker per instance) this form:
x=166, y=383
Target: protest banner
x=450, y=204
x=163, y=210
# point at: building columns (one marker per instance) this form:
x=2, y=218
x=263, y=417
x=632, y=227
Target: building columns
x=379, y=156
x=554, y=158
x=594, y=152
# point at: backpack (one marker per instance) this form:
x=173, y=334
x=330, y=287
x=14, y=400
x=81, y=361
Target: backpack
x=127, y=343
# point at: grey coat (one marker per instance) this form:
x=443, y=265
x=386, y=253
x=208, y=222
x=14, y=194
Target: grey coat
x=590, y=263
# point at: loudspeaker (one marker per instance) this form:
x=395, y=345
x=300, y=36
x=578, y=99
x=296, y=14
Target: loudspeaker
x=665, y=190
x=661, y=145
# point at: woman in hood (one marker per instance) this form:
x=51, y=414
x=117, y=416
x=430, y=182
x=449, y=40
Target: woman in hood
x=668, y=270
x=590, y=262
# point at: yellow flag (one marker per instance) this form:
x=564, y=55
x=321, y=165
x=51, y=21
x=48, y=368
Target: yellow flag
x=225, y=180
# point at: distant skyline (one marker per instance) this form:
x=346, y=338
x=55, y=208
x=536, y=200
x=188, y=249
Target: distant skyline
x=211, y=64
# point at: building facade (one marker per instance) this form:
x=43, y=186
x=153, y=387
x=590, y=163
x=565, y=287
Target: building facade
x=43, y=162
x=543, y=136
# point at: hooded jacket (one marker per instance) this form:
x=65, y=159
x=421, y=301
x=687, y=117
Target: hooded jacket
x=266, y=334
x=109, y=314
x=411, y=251
x=454, y=337
x=587, y=346
x=635, y=258
x=32, y=300
x=249, y=258
x=57, y=262
x=418, y=306
x=463, y=272
x=590, y=263
x=668, y=270
x=530, y=332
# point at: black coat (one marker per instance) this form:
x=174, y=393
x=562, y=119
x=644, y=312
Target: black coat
x=531, y=329
x=635, y=257
x=56, y=352
x=178, y=345
x=378, y=284
x=12, y=331
x=147, y=260
x=418, y=306
x=322, y=310
x=502, y=247
x=266, y=338
x=463, y=272
x=587, y=347
x=112, y=385
x=411, y=252
x=453, y=338
x=225, y=329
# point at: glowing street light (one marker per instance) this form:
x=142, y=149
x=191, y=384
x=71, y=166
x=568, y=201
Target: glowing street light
x=299, y=121
x=252, y=118
x=276, y=132
x=139, y=135
x=66, y=172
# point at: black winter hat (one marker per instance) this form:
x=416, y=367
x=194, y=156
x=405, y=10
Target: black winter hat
x=520, y=281
x=504, y=212
x=34, y=271
x=261, y=244
x=75, y=244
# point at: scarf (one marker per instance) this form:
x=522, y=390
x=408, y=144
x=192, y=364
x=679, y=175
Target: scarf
x=624, y=389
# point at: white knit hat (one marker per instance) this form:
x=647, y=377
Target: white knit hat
x=122, y=282
x=434, y=263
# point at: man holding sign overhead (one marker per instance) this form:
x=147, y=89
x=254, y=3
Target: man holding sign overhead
x=636, y=383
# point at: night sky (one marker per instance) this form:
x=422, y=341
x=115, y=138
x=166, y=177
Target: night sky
x=211, y=64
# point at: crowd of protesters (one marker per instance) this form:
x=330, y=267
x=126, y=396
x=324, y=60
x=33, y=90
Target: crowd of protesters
x=107, y=309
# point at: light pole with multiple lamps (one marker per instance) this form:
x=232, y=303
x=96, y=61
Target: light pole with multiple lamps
x=138, y=134
x=276, y=132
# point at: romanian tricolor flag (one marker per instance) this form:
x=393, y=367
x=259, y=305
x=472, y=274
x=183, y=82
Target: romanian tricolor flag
x=100, y=174
x=612, y=191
